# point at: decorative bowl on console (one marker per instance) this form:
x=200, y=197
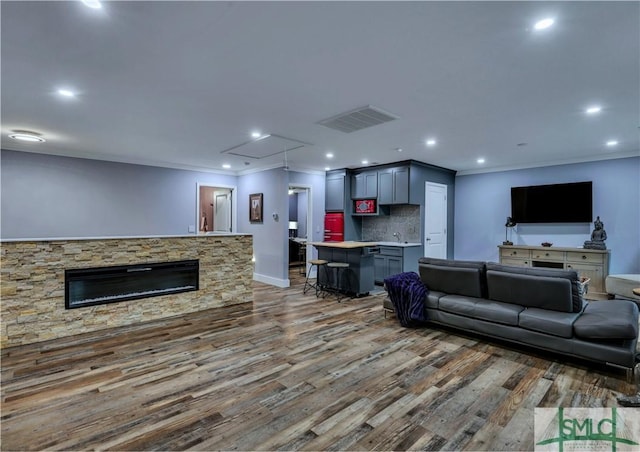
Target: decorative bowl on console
x=547, y=244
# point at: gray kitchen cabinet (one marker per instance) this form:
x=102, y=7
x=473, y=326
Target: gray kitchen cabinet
x=334, y=192
x=393, y=185
x=364, y=185
x=395, y=259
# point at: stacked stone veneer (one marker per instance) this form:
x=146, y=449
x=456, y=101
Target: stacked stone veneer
x=32, y=282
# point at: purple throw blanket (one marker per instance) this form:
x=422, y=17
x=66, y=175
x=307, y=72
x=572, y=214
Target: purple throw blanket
x=408, y=294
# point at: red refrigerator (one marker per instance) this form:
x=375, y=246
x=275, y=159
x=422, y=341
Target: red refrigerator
x=334, y=227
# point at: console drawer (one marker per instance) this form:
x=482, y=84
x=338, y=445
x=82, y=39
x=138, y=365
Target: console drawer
x=515, y=262
x=577, y=256
x=547, y=255
x=521, y=254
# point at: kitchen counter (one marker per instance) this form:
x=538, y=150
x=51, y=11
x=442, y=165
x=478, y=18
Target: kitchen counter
x=344, y=245
x=400, y=244
x=357, y=279
x=349, y=245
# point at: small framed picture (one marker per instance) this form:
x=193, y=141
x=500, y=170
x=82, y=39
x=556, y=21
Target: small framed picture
x=255, y=208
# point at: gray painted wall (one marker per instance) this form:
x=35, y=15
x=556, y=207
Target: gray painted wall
x=50, y=196
x=483, y=202
x=44, y=196
x=271, y=237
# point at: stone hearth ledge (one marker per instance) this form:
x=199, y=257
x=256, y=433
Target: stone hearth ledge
x=32, y=281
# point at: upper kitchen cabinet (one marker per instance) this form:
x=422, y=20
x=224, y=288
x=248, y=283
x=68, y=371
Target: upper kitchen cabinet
x=393, y=185
x=335, y=191
x=364, y=185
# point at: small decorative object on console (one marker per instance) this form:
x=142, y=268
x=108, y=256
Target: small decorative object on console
x=547, y=244
x=507, y=228
x=598, y=236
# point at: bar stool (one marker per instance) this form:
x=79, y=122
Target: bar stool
x=319, y=263
x=302, y=257
x=340, y=268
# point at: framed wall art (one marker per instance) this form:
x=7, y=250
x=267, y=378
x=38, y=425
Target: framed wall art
x=255, y=208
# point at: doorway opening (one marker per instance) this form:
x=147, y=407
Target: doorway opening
x=215, y=209
x=300, y=228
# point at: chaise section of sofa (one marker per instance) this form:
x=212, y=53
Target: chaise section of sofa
x=537, y=307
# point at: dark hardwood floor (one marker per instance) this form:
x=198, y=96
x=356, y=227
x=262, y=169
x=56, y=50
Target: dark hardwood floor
x=286, y=372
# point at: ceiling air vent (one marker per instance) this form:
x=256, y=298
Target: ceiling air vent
x=358, y=119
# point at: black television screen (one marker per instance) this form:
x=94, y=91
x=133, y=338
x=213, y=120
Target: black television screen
x=557, y=203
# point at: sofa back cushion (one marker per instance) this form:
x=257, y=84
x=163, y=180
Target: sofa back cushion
x=569, y=275
x=466, y=278
x=531, y=291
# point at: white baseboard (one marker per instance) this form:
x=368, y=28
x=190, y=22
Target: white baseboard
x=271, y=281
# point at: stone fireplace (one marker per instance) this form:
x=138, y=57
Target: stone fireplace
x=38, y=275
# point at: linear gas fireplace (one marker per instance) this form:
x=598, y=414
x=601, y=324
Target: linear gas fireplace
x=91, y=286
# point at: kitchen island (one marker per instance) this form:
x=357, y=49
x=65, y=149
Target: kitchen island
x=356, y=280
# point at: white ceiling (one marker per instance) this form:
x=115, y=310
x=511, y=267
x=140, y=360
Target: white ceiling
x=178, y=83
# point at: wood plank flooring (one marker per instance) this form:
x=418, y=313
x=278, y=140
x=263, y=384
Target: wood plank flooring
x=287, y=372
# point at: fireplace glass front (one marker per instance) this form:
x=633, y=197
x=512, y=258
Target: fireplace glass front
x=92, y=286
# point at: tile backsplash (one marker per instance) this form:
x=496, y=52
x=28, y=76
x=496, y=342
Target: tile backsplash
x=403, y=219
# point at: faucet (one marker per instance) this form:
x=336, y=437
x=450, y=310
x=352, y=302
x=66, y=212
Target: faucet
x=397, y=236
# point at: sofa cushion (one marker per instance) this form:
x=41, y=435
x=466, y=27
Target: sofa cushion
x=547, y=321
x=530, y=291
x=615, y=319
x=479, y=308
x=464, y=278
x=570, y=275
x=432, y=299
x=496, y=311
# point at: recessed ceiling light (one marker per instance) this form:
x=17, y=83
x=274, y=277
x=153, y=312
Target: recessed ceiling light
x=255, y=134
x=326, y=168
x=612, y=143
x=27, y=136
x=95, y=4
x=480, y=160
x=226, y=166
x=399, y=149
x=329, y=155
x=431, y=142
x=365, y=162
x=66, y=92
x=544, y=23
x=593, y=110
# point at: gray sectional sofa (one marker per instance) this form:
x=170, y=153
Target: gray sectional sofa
x=538, y=307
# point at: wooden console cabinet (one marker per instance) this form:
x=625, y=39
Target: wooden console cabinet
x=592, y=264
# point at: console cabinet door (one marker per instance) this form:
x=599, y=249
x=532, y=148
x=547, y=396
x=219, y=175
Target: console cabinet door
x=594, y=272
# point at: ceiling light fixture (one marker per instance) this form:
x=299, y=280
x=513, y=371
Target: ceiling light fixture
x=95, y=4
x=431, y=142
x=327, y=168
x=611, y=143
x=226, y=166
x=544, y=23
x=66, y=93
x=480, y=161
x=365, y=162
x=399, y=149
x=256, y=134
x=329, y=155
x=27, y=136
x=593, y=110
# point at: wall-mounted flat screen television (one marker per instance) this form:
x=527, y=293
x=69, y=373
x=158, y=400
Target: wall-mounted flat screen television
x=557, y=203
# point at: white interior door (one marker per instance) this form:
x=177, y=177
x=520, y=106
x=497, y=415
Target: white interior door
x=222, y=212
x=435, y=221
